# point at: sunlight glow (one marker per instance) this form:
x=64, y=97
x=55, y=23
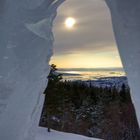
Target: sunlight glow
x=70, y=22
x=86, y=60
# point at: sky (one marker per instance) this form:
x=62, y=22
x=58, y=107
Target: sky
x=90, y=43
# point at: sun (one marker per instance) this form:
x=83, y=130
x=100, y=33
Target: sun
x=70, y=22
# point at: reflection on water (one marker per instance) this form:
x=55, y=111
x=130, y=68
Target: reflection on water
x=90, y=74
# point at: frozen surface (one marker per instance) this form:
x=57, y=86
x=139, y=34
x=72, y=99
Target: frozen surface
x=126, y=23
x=25, y=48
x=26, y=41
x=42, y=134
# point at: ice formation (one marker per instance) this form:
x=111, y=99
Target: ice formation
x=26, y=46
x=126, y=23
x=26, y=41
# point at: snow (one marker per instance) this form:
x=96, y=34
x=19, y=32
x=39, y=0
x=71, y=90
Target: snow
x=26, y=42
x=126, y=23
x=109, y=82
x=42, y=134
x=25, y=50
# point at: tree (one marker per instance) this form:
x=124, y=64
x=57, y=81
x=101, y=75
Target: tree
x=54, y=76
x=125, y=94
x=51, y=98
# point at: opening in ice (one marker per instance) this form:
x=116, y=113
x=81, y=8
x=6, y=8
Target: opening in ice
x=88, y=91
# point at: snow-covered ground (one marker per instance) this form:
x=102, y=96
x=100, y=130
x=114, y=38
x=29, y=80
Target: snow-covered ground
x=109, y=82
x=42, y=134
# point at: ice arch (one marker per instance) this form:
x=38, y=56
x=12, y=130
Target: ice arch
x=126, y=23
x=25, y=48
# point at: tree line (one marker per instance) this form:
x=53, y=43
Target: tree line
x=79, y=108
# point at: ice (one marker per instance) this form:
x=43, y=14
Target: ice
x=126, y=23
x=26, y=42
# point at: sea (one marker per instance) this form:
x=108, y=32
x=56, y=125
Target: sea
x=85, y=74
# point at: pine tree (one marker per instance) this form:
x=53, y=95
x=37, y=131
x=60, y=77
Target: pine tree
x=123, y=93
x=54, y=76
x=51, y=98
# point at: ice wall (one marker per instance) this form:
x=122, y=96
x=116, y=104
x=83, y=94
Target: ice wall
x=26, y=41
x=25, y=48
x=126, y=23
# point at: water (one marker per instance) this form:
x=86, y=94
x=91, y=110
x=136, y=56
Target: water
x=90, y=74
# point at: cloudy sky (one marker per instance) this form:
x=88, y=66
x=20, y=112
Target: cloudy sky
x=90, y=43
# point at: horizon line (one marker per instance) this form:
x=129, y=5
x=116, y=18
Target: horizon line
x=93, y=68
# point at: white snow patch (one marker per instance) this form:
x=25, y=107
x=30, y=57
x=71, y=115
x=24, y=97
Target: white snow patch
x=42, y=134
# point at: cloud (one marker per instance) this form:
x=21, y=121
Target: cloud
x=92, y=32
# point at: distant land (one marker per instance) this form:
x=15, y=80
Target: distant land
x=90, y=69
x=89, y=73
